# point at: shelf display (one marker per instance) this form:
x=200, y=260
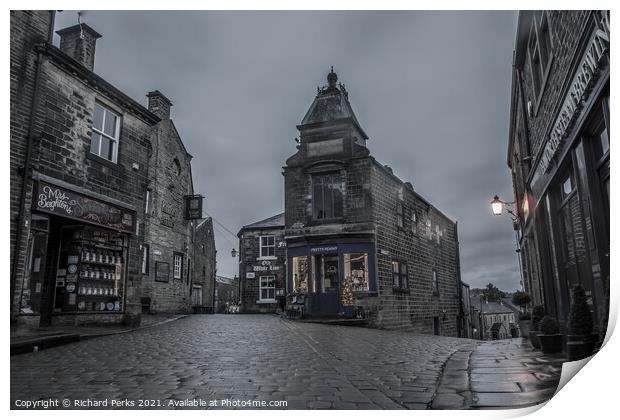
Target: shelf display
x=91, y=271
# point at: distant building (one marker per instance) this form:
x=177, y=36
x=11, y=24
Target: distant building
x=262, y=265
x=497, y=321
x=203, y=282
x=559, y=155
x=357, y=236
x=467, y=317
x=226, y=293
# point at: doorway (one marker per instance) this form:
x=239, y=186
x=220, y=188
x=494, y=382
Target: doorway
x=327, y=285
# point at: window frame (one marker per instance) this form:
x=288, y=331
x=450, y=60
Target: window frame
x=146, y=256
x=261, y=288
x=535, y=40
x=115, y=141
x=174, y=266
x=400, y=215
x=435, y=283
x=337, y=212
x=402, y=285
x=261, y=246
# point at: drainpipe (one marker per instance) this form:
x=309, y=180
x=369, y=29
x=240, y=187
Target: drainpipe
x=26, y=171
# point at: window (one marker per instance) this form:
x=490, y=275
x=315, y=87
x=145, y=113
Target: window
x=399, y=215
x=145, y=259
x=177, y=166
x=300, y=274
x=178, y=266
x=327, y=196
x=104, y=139
x=539, y=49
x=267, y=247
x=267, y=288
x=147, y=201
x=356, y=271
x=399, y=272
x=435, y=284
x=414, y=222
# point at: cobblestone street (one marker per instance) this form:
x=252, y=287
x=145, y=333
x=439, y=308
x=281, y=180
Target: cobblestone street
x=253, y=357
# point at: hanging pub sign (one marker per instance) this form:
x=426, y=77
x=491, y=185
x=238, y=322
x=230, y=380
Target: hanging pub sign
x=52, y=199
x=193, y=207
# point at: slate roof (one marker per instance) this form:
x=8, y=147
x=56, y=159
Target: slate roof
x=331, y=104
x=495, y=308
x=270, y=222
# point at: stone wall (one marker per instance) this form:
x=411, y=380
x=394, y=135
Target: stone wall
x=204, y=260
x=27, y=28
x=428, y=244
x=249, y=257
x=166, y=230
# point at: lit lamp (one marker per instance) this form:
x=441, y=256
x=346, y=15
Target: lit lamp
x=497, y=205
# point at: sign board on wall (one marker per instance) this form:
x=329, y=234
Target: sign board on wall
x=51, y=199
x=250, y=275
x=193, y=207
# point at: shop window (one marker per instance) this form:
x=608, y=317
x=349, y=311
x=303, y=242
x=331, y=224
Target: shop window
x=399, y=273
x=104, y=138
x=178, y=266
x=300, y=274
x=435, y=284
x=267, y=246
x=145, y=259
x=539, y=50
x=267, y=288
x=327, y=196
x=356, y=271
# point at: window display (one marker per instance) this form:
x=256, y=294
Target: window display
x=300, y=274
x=90, y=272
x=356, y=271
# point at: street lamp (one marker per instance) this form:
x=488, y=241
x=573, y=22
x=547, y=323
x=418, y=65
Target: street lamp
x=497, y=205
x=234, y=253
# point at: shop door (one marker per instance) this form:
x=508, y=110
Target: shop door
x=327, y=285
x=34, y=285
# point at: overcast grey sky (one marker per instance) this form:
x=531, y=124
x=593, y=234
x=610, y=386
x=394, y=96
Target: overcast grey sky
x=431, y=89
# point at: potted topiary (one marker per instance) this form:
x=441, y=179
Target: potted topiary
x=537, y=314
x=550, y=337
x=581, y=339
x=524, y=324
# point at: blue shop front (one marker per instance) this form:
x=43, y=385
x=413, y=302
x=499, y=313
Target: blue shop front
x=332, y=275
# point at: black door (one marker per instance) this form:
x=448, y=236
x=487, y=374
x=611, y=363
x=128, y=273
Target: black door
x=327, y=285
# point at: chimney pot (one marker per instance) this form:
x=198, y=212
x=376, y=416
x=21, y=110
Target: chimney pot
x=159, y=104
x=79, y=42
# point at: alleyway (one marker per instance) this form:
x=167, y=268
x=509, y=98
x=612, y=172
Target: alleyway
x=252, y=357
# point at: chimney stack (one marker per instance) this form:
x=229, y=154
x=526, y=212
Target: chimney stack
x=79, y=42
x=159, y=104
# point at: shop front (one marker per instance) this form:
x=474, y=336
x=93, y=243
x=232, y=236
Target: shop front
x=77, y=256
x=333, y=276
x=570, y=191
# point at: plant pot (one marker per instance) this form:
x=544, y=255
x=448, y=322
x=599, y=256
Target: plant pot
x=551, y=343
x=580, y=346
x=534, y=339
x=524, y=328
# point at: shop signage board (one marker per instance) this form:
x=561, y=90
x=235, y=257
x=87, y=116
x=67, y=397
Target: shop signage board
x=325, y=249
x=52, y=199
x=193, y=207
x=588, y=72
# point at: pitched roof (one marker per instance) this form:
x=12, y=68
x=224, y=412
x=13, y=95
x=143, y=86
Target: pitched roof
x=495, y=308
x=331, y=104
x=273, y=221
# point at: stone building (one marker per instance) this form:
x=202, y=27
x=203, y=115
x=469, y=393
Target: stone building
x=262, y=265
x=81, y=164
x=498, y=321
x=359, y=237
x=169, y=236
x=203, y=286
x=226, y=293
x=558, y=153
